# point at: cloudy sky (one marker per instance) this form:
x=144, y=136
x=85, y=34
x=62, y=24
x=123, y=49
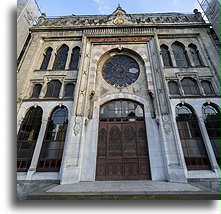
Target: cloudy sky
x=92, y=7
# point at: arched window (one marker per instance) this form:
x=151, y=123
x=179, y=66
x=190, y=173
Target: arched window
x=75, y=56
x=69, y=90
x=53, y=144
x=190, y=86
x=212, y=122
x=36, y=91
x=165, y=55
x=53, y=88
x=173, y=88
x=195, y=55
x=180, y=54
x=61, y=58
x=194, y=150
x=207, y=87
x=46, y=59
x=27, y=137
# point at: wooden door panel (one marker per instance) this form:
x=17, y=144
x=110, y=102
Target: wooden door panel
x=122, y=152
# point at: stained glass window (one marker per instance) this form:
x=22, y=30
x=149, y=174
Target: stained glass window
x=212, y=122
x=61, y=58
x=75, y=56
x=165, y=55
x=120, y=71
x=194, y=150
x=180, y=54
x=46, y=59
x=53, y=88
x=27, y=137
x=195, y=55
x=189, y=86
x=207, y=87
x=173, y=88
x=53, y=144
x=36, y=91
x=69, y=90
x=122, y=108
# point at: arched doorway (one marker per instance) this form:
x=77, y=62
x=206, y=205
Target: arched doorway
x=122, y=152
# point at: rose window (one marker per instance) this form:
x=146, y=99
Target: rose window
x=120, y=71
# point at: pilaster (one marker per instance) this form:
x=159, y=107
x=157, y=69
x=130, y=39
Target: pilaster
x=174, y=166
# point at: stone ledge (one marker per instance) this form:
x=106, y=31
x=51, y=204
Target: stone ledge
x=126, y=196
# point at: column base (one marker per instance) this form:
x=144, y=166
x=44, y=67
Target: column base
x=70, y=175
x=176, y=174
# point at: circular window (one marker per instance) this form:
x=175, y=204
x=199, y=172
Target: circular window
x=120, y=71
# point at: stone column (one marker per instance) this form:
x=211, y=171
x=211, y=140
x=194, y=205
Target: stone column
x=36, y=154
x=172, y=57
x=68, y=59
x=174, y=166
x=189, y=56
x=209, y=148
x=44, y=88
x=51, y=62
x=61, y=94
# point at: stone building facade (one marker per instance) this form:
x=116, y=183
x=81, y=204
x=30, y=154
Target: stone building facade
x=119, y=97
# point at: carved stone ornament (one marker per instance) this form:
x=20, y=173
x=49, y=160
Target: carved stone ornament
x=166, y=124
x=60, y=104
x=208, y=100
x=77, y=125
x=36, y=104
x=167, y=127
x=118, y=17
x=118, y=21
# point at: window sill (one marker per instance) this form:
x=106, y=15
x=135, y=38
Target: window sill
x=182, y=67
x=51, y=70
x=48, y=99
x=193, y=96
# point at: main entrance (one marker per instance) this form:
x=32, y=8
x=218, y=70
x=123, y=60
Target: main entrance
x=122, y=152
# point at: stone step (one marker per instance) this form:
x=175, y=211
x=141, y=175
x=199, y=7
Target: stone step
x=124, y=190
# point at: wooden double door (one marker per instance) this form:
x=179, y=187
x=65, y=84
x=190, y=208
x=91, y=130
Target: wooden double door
x=122, y=152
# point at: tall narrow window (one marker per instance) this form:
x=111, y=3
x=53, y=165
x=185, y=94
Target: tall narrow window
x=180, y=54
x=194, y=150
x=195, y=55
x=27, y=138
x=212, y=122
x=190, y=86
x=165, y=55
x=61, y=58
x=53, y=144
x=46, y=59
x=75, y=56
x=69, y=90
x=53, y=88
x=173, y=88
x=207, y=87
x=36, y=91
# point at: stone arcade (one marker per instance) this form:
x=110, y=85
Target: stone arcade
x=119, y=97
